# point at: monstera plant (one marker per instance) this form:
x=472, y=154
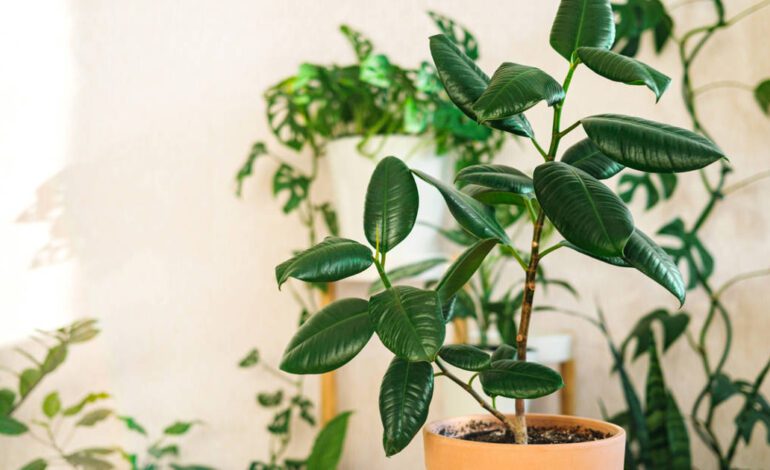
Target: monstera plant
x=566, y=188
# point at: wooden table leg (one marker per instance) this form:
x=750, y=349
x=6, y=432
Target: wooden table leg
x=329, y=379
x=568, y=392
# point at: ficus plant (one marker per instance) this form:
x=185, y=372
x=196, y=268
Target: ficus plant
x=566, y=189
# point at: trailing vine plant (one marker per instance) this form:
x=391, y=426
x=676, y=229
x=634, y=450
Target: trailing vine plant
x=650, y=445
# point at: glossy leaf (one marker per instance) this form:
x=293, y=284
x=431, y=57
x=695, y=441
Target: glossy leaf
x=516, y=379
x=491, y=197
x=51, y=404
x=11, y=427
x=613, y=260
x=329, y=339
x=405, y=396
x=762, y=95
x=464, y=82
x=472, y=215
x=331, y=260
x=463, y=269
x=646, y=256
x=587, y=156
x=583, y=210
x=407, y=271
x=620, y=68
x=582, y=23
x=515, y=88
x=650, y=146
x=327, y=448
x=391, y=204
x=503, y=352
x=500, y=177
x=409, y=322
x=465, y=356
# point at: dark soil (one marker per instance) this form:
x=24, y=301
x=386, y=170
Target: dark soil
x=480, y=431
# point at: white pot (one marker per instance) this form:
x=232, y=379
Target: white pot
x=350, y=172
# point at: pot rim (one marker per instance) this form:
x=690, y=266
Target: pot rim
x=618, y=432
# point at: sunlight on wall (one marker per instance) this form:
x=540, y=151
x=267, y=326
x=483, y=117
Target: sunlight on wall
x=36, y=90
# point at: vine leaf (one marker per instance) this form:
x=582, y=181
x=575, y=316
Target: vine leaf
x=287, y=179
x=762, y=95
x=699, y=261
x=630, y=183
x=637, y=16
x=457, y=34
x=405, y=396
x=674, y=326
x=247, y=169
x=362, y=45
x=620, y=68
x=582, y=23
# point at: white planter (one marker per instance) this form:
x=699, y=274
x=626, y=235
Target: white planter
x=350, y=172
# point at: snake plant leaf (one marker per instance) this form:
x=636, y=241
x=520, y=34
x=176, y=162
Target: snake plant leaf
x=620, y=68
x=517, y=379
x=515, y=88
x=676, y=433
x=329, y=339
x=409, y=322
x=327, y=447
x=587, y=156
x=500, y=177
x=504, y=352
x=646, y=256
x=492, y=197
x=405, y=396
x=391, y=204
x=586, y=212
x=461, y=271
x=464, y=82
x=762, y=95
x=582, y=23
x=465, y=357
x=472, y=215
x=331, y=260
x=650, y=146
x=407, y=271
x=655, y=413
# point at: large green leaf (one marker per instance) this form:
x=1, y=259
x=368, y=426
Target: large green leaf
x=391, y=204
x=464, y=82
x=463, y=269
x=620, y=68
x=582, y=23
x=409, y=322
x=465, y=356
x=329, y=339
x=515, y=88
x=11, y=427
x=613, y=260
x=327, y=448
x=645, y=255
x=407, y=271
x=587, y=156
x=331, y=260
x=472, y=215
x=405, y=396
x=585, y=212
x=650, y=146
x=500, y=177
x=762, y=95
x=489, y=196
x=517, y=379
x=504, y=352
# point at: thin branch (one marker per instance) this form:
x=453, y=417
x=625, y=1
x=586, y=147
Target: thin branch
x=746, y=182
x=722, y=84
x=739, y=278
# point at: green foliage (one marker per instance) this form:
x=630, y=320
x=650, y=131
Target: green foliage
x=391, y=204
x=630, y=183
x=331, y=260
x=405, y=396
x=461, y=271
x=674, y=326
x=327, y=448
x=586, y=156
x=620, y=68
x=514, y=89
x=330, y=338
x=465, y=357
x=697, y=258
x=518, y=379
x=762, y=95
x=647, y=257
x=407, y=271
x=582, y=23
x=498, y=177
x=635, y=17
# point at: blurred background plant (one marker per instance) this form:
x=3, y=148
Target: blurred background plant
x=657, y=435
x=60, y=423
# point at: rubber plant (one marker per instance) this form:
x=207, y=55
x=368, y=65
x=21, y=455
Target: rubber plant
x=650, y=445
x=568, y=191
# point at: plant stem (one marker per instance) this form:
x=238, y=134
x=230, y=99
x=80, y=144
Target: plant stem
x=550, y=249
x=746, y=182
x=721, y=84
x=509, y=426
x=381, y=272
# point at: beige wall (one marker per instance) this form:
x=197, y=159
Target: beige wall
x=121, y=127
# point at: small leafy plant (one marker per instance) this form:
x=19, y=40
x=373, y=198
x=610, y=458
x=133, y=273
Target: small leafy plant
x=594, y=221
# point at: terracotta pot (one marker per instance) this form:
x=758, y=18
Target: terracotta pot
x=448, y=453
